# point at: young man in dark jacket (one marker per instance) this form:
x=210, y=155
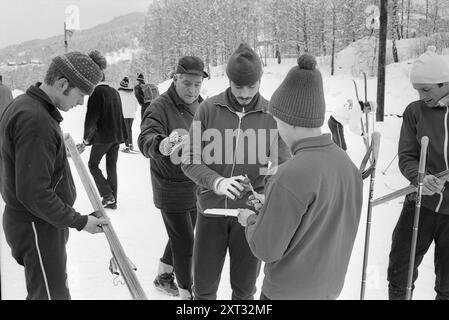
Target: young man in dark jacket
x=217, y=159
x=165, y=124
x=105, y=130
x=35, y=178
x=306, y=229
x=426, y=117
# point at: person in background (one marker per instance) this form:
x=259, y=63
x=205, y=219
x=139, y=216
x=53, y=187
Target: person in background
x=104, y=130
x=344, y=115
x=138, y=92
x=35, y=178
x=129, y=111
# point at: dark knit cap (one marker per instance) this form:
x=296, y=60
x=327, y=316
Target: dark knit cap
x=140, y=77
x=124, y=83
x=191, y=65
x=81, y=70
x=299, y=100
x=244, y=67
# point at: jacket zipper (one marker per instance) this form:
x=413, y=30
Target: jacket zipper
x=445, y=153
x=240, y=115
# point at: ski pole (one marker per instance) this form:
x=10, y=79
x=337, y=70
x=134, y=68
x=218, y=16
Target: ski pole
x=421, y=175
x=375, y=144
x=443, y=175
x=388, y=167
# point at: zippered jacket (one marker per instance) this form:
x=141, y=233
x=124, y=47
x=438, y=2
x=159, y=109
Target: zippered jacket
x=229, y=140
x=35, y=178
x=418, y=121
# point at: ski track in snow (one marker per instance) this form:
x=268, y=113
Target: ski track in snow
x=139, y=225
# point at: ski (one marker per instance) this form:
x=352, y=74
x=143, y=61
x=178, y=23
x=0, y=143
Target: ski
x=365, y=132
x=374, y=152
x=119, y=257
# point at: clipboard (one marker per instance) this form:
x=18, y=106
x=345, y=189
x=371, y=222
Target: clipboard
x=221, y=212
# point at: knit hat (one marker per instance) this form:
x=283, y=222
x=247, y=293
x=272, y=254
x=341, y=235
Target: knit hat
x=244, y=67
x=83, y=71
x=299, y=100
x=140, y=77
x=191, y=65
x=124, y=83
x=430, y=68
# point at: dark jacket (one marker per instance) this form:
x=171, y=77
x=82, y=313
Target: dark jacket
x=35, y=178
x=104, y=121
x=418, y=121
x=223, y=116
x=306, y=229
x=5, y=97
x=172, y=190
x=138, y=92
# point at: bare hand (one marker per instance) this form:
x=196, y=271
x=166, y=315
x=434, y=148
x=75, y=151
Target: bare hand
x=432, y=185
x=94, y=225
x=243, y=216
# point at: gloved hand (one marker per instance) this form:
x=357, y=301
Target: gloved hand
x=169, y=144
x=230, y=187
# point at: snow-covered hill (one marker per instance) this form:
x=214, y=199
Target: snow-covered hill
x=139, y=224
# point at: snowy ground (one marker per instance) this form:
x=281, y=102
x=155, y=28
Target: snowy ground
x=140, y=228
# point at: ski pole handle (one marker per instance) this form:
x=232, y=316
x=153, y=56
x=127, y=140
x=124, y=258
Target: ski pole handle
x=423, y=157
x=375, y=140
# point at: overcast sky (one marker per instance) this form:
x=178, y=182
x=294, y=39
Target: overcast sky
x=22, y=20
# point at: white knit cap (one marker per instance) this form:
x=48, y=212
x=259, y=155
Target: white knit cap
x=430, y=68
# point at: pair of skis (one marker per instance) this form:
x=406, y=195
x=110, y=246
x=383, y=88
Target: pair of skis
x=119, y=261
x=368, y=107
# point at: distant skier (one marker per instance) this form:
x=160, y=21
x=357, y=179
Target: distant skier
x=104, y=129
x=278, y=54
x=129, y=108
x=426, y=117
x=342, y=115
x=306, y=228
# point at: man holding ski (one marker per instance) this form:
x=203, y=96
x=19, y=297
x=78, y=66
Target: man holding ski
x=425, y=117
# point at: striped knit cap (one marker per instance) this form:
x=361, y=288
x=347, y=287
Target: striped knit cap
x=299, y=100
x=81, y=70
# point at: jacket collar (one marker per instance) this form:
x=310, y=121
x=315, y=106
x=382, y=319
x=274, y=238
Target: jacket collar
x=36, y=93
x=233, y=104
x=310, y=143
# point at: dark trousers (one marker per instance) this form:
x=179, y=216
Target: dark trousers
x=129, y=131
x=432, y=227
x=212, y=239
x=338, y=135
x=41, y=249
x=263, y=297
x=107, y=185
x=179, y=249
